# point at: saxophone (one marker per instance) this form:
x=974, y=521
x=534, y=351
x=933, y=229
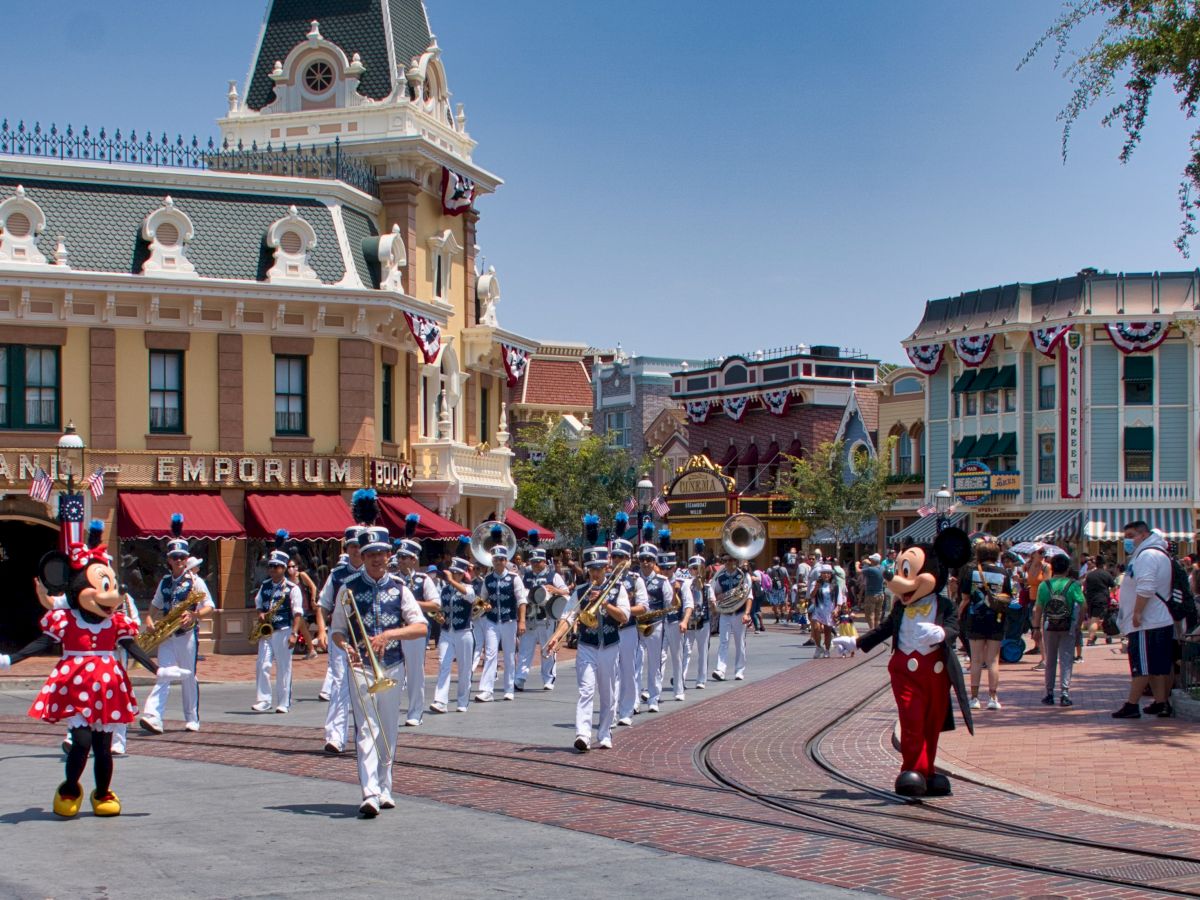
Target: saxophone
x=265, y=629
x=150, y=639
x=645, y=622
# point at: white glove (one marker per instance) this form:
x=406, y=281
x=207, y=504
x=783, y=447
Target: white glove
x=171, y=673
x=929, y=635
x=845, y=645
x=5, y=662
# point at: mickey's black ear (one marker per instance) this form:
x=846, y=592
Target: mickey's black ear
x=54, y=571
x=953, y=548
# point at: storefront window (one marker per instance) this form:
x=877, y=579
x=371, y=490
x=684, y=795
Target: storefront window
x=317, y=558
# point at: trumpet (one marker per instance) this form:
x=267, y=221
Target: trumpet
x=590, y=609
x=480, y=608
x=377, y=681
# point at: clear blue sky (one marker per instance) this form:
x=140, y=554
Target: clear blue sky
x=702, y=177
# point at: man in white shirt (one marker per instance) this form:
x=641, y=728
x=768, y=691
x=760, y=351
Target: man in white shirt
x=1145, y=619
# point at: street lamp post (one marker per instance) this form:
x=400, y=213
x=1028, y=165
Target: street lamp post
x=942, y=500
x=70, y=445
x=645, y=491
x=70, y=504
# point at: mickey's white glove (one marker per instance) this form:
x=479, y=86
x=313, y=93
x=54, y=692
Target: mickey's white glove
x=171, y=673
x=845, y=645
x=929, y=636
x=5, y=662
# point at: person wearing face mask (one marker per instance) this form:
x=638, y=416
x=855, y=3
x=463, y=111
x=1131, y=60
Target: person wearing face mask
x=1146, y=622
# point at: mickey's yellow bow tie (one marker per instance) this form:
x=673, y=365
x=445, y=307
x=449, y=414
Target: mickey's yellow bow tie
x=913, y=610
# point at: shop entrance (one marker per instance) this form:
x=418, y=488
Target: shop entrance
x=23, y=542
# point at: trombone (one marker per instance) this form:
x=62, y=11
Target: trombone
x=378, y=680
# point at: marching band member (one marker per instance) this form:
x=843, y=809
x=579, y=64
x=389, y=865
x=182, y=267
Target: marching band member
x=429, y=597
x=180, y=649
x=660, y=594
x=538, y=621
x=699, y=627
x=732, y=625
x=627, y=663
x=675, y=626
x=596, y=659
x=502, y=624
x=456, y=643
x=336, y=689
x=389, y=615
x=280, y=605
x=477, y=574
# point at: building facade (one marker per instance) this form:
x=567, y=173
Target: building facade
x=629, y=394
x=555, y=392
x=902, y=417
x=246, y=333
x=1063, y=409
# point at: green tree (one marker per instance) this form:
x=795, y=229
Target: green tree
x=827, y=491
x=1140, y=42
x=571, y=478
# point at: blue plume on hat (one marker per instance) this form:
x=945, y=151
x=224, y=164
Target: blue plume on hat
x=464, y=543
x=591, y=529
x=281, y=537
x=698, y=546
x=647, y=531
x=95, y=533
x=177, y=524
x=664, y=538
x=534, y=537
x=622, y=524
x=497, y=532
x=364, y=505
x=411, y=521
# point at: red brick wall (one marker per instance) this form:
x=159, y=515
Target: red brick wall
x=812, y=424
x=356, y=393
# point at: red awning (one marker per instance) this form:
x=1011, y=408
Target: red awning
x=730, y=457
x=796, y=449
x=306, y=517
x=749, y=456
x=149, y=516
x=772, y=453
x=432, y=527
x=521, y=526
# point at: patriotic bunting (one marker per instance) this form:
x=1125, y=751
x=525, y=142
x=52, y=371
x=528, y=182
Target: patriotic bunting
x=1045, y=340
x=927, y=358
x=428, y=334
x=697, y=411
x=458, y=193
x=777, y=401
x=516, y=361
x=1137, y=337
x=735, y=407
x=974, y=350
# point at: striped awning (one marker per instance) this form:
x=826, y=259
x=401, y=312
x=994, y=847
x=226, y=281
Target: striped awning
x=865, y=535
x=1045, y=525
x=925, y=529
x=1109, y=524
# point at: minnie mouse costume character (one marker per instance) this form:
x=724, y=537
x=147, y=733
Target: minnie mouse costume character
x=923, y=627
x=89, y=689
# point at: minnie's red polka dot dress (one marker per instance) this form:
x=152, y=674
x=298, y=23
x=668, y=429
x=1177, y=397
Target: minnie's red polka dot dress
x=89, y=687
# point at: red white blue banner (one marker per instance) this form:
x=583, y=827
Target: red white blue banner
x=927, y=358
x=1046, y=340
x=458, y=193
x=516, y=361
x=697, y=411
x=428, y=334
x=777, y=402
x=1137, y=337
x=735, y=407
x=973, y=350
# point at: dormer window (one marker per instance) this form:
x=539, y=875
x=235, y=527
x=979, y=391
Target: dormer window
x=21, y=221
x=318, y=77
x=292, y=239
x=442, y=250
x=167, y=230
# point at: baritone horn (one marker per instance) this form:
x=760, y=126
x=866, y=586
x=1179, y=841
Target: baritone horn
x=488, y=535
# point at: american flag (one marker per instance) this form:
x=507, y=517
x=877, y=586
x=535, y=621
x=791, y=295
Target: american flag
x=40, y=487
x=631, y=505
x=927, y=510
x=96, y=482
x=661, y=508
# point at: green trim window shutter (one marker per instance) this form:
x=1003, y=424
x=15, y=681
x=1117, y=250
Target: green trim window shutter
x=1006, y=379
x=964, y=448
x=985, y=447
x=1006, y=445
x=1139, y=368
x=986, y=380
x=1139, y=440
x=964, y=382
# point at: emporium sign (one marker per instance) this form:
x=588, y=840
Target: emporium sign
x=975, y=482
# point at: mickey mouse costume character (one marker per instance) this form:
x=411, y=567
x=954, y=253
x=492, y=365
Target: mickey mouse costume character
x=90, y=689
x=923, y=627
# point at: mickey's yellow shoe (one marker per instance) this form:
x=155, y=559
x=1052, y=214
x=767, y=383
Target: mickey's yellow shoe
x=67, y=807
x=106, y=804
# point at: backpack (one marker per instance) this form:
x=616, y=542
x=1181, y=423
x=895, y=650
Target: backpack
x=1058, y=613
x=1011, y=650
x=1181, y=603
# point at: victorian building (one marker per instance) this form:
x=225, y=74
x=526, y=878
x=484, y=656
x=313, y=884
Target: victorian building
x=247, y=329
x=902, y=422
x=1063, y=409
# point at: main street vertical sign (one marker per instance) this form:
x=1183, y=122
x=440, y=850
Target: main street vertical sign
x=1070, y=359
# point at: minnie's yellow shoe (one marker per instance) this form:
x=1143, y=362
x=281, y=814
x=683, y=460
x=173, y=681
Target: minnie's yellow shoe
x=67, y=807
x=106, y=804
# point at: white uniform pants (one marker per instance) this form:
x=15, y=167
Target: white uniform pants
x=414, y=675
x=653, y=650
x=454, y=646
x=676, y=644
x=477, y=653
x=627, y=679
x=697, y=647
x=498, y=637
x=378, y=723
x=536, y=636
x=337, y=717
x=178, y=650
x=275, y=649
x=596, y=674
x=732, y=625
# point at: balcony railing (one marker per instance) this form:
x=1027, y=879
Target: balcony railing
x=326, y=161
x=1138, y=491
x=448, y=461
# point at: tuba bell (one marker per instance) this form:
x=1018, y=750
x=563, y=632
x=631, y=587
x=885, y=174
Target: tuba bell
x=743, y=536
x=487, y=535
